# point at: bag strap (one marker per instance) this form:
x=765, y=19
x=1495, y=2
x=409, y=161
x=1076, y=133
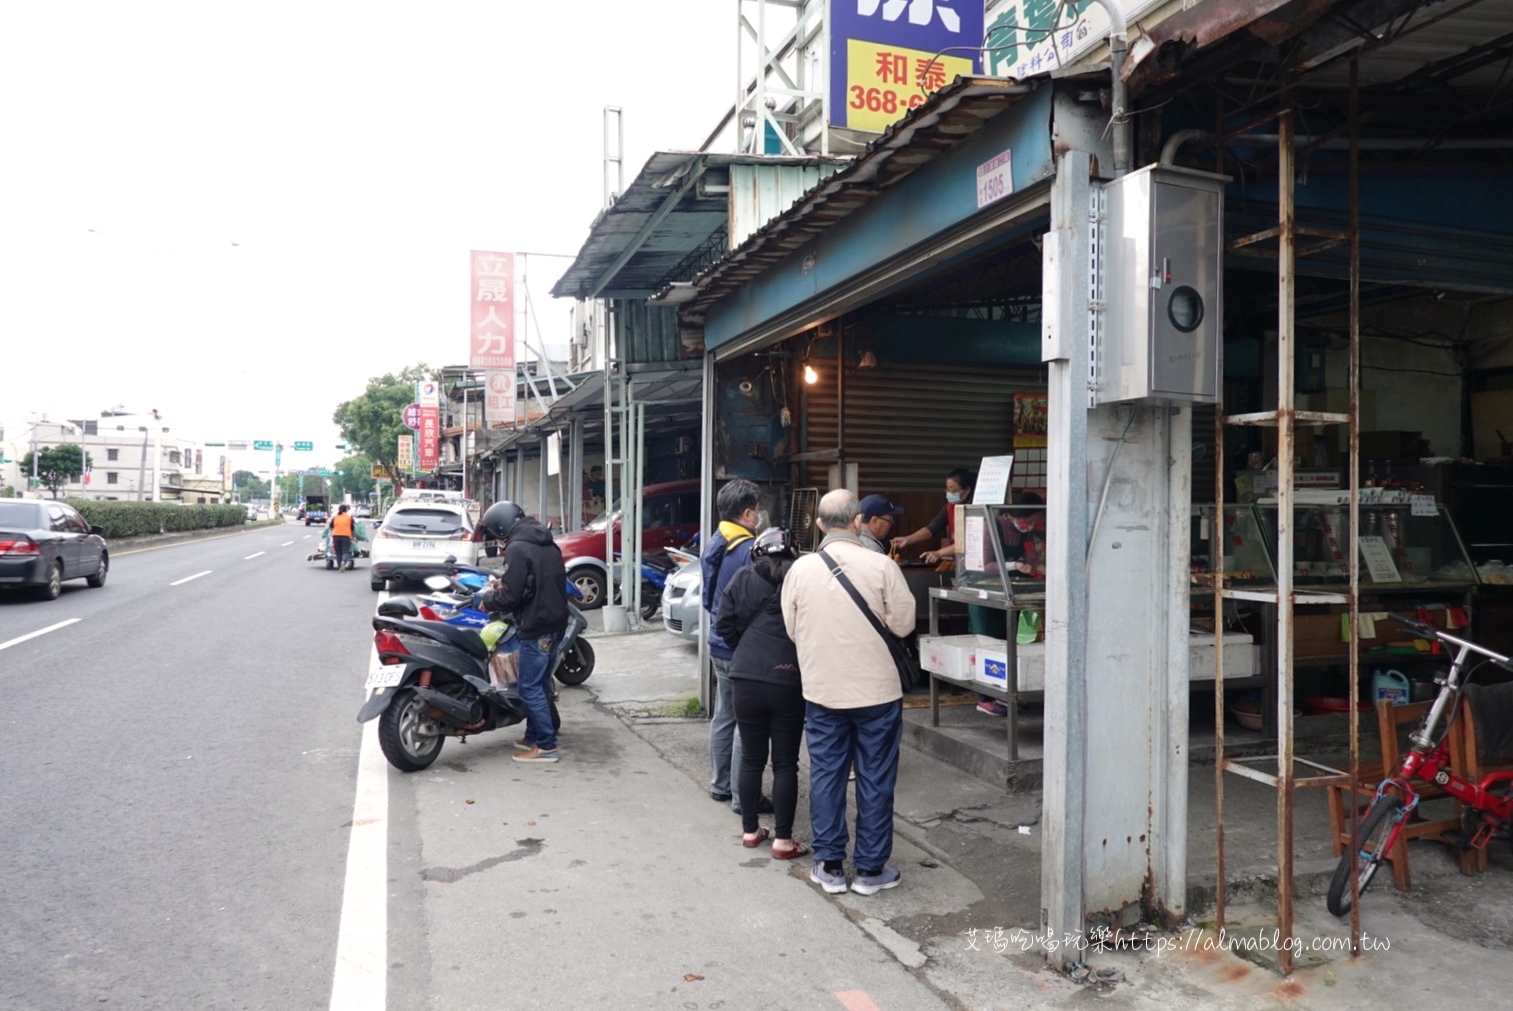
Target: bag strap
x=840, y=577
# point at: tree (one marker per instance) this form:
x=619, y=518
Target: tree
x=57, y=465
x=373, y=422
x=353, y=476
x=249, y=487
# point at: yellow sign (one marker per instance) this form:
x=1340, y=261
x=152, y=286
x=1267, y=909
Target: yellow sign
x=884, y=82
x=381, y=473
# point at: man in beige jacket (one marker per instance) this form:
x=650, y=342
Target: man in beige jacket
x=853, y=707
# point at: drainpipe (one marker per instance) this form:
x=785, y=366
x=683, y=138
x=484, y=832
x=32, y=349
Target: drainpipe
x=1118, y=44
x=1175, y=141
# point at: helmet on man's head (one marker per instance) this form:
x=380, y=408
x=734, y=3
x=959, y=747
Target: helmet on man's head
x=774, y=541
x=500, y=519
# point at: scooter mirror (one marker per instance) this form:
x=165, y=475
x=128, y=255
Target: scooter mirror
x=438, y=583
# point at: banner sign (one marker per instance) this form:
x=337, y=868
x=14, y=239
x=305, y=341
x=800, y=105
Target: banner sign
x=491, y=341
x=499, y=398
x=411, y=416
x=1029, y=37
x=406, y=456
x=428, y=438
x=887, y=55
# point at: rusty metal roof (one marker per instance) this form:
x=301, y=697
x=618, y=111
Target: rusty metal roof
x=668, y=212
x=951, y=115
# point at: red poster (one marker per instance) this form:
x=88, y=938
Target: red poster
x=492, y=338
x=430, y=438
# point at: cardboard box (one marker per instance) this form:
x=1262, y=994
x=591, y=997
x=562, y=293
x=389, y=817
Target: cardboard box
x=1317, y=635
x=990, y=663
x=951, y=655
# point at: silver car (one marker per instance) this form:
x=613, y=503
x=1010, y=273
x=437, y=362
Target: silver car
x=681, y=602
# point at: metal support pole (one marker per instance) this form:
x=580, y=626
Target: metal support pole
x=1355, y=498
x=463, y=443
x=1286, y=293
x=572, y=510
x=543, y=500
x=706, y=520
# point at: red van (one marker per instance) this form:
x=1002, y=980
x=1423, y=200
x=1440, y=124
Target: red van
x=670, y=519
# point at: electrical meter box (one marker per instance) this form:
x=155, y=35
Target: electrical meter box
x=1163, y=253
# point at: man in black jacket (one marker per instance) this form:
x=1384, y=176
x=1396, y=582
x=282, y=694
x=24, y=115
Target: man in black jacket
x=532, y=587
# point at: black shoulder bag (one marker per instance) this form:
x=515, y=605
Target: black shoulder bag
x=908, y=670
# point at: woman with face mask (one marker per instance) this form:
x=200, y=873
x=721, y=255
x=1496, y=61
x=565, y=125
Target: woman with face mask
x=959, y=485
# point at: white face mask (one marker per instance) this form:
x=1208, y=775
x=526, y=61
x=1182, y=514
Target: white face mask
x=953, y=497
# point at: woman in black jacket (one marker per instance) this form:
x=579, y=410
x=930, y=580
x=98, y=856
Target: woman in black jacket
x=769, y=698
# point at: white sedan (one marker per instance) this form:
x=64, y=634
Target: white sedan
x=416, y=539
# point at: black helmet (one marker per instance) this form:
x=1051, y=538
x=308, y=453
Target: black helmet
x=774, y=541
x=500, y=519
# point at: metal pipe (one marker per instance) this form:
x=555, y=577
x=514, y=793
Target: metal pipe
x=1325, y=142
x=1355, y=500
x=1118, y=45
x=1286, y=393
x=1181, y=137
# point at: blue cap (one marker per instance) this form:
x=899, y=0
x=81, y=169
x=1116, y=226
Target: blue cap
x=878, y=505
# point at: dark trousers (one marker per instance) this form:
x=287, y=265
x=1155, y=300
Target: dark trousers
x=767, y=713
x=341, y=547
x=871, y=736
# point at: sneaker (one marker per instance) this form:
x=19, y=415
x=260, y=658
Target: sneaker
x=718, y=797
x=832, y=883
x=524, y=745
x=871, y=884
x=536, y=755
x=992, y=707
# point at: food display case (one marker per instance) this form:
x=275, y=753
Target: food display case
x=995, y=545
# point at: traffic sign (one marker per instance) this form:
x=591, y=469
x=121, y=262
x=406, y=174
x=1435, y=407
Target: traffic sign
x=262, y=443
x=411, y=416
x=303, y=447
x=209, y=444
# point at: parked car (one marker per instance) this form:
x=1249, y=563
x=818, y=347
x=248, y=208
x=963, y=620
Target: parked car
x=681, y=602
x=415, y=540
x=44, y=543
x=670, y=518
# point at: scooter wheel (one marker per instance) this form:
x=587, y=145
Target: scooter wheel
x=576, y=664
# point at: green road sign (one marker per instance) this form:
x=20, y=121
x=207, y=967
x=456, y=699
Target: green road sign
x=303, y=447
x=262, y=443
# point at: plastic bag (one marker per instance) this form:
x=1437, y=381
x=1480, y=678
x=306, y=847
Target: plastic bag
x=1029, y=627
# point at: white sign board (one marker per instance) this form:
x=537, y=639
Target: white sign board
x=993, y=480
x=1378, y=559
x=995, y=179
x=499, y=397
x=1423, y=505
x=554, y=453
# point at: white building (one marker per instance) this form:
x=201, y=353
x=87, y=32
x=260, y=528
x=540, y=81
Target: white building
x=132, y=457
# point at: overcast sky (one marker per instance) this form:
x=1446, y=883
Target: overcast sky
x=238, y=212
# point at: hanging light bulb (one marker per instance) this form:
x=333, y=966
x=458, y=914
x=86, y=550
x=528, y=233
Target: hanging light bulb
x=810, y=376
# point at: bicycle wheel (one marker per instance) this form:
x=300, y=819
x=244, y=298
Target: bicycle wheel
x=1373, y=839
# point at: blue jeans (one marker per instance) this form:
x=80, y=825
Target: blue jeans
x=871, y=736
x=724, y=742
x=535, y=688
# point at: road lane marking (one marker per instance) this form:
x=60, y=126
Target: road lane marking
x=254, y=554
x=286, y=544
x=856, y=1000
x=197, y=575
x=304, y=538
x=41, y=631
x=362, y=952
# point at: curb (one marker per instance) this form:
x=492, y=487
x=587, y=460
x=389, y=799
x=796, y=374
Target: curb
x=120, y=544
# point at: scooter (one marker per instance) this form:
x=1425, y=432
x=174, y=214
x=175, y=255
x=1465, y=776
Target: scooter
x=653, y=580
x=433, y=683
x=457, y=601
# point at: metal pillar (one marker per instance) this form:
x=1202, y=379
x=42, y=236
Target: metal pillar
x=572, y=510
x=1069, y=324
x=706, y=522
x=542, y=497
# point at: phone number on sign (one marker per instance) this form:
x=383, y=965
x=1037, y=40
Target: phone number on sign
x=883, y=99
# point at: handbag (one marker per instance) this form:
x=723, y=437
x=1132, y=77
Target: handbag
x=908, y=670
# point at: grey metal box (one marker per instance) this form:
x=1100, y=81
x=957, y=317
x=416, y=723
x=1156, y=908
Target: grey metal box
x=1163, y=255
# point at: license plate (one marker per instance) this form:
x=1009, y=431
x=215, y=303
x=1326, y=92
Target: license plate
x=423, y=545
x=386, y=676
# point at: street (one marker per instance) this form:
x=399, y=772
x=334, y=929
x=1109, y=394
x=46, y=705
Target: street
x=191, y=818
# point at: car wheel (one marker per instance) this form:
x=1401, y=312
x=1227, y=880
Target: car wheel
x=591, y=584
x=53, y=588
x=98, y=579
x=377, y=583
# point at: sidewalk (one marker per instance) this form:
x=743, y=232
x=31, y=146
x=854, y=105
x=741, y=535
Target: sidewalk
x=970, y=854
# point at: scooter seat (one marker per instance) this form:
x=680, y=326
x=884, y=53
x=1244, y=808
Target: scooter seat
x=464, y=638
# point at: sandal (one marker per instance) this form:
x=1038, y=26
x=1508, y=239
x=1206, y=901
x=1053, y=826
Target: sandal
x=800, y=848
x=751, y=840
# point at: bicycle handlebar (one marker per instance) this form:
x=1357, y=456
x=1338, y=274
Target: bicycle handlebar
x=1425, y=630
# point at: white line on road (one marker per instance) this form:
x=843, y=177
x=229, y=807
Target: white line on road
x=286, y=544
x=362, y=953
x=304, y=538
x=197, y=575
x=254, y=554
x=40, y=631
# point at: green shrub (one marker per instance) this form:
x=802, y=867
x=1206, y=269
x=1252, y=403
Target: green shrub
x=135, y=519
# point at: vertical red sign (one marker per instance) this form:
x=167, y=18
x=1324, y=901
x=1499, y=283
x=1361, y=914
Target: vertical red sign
x=491, y=341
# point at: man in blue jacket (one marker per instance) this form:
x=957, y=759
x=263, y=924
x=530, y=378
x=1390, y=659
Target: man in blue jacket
x=740, y=507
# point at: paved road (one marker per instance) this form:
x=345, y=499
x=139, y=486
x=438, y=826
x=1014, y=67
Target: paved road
x=177, y=769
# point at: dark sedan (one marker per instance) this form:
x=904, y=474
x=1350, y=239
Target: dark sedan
x=44, y=543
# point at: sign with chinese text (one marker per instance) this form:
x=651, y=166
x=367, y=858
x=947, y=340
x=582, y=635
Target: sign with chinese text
x=498, y=398
x=382, y=473
x=262, y=444
x=303, y=447
x=411, y=416
x=405, y=460
x=428, y=436
x=887, y=55
x=491, y=341
x=1029, y=37
x=995, y=178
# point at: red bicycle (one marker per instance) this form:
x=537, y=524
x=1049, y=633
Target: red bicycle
x=1489, y=804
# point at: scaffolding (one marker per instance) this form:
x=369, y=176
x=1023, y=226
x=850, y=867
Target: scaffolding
x=1285, y=597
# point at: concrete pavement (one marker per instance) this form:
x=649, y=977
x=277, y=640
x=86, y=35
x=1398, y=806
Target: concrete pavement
x=970, y=857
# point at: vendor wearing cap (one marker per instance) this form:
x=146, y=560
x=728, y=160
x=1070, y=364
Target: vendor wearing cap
x=878, y=517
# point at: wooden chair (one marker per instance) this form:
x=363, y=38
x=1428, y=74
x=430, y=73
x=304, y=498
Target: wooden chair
x=1394, y=722
x=1472, y=770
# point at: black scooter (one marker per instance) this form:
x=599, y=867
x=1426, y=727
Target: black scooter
x=433, y=683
